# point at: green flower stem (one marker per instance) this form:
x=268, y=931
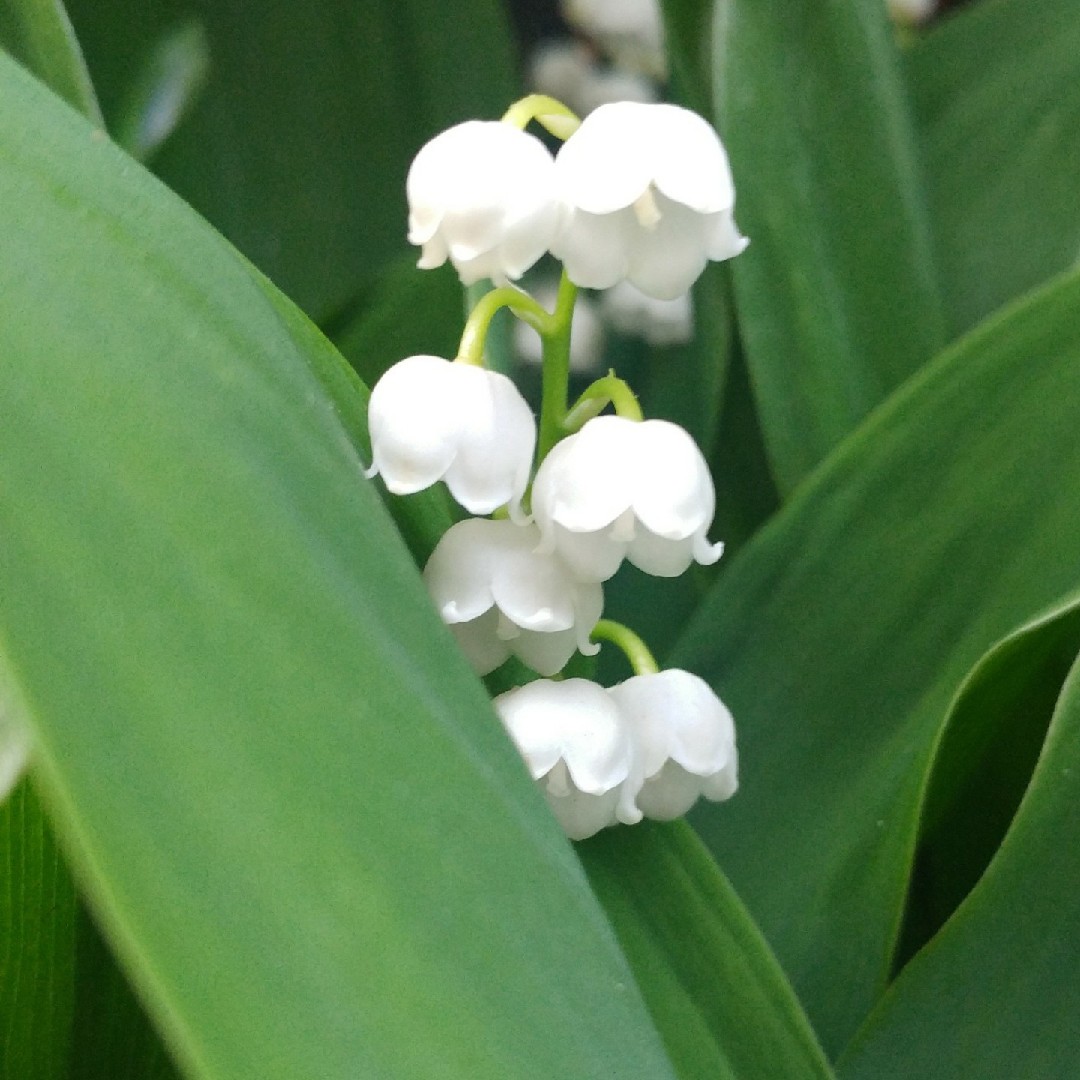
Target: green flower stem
x=556, y=385
x=637, y=652
x=552, y=115
x=610, y=390
x=471, y=348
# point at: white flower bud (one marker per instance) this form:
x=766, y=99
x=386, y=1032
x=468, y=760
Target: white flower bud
x=431, y=419
x=631, y=32
x=659, y=322
x=684, y=742
x=566, y=71
x=481, y=194
x=586, y=333
x=499, y=597
x=626, y=489
x=577, y=747
x=907, y=12
x=649, y=198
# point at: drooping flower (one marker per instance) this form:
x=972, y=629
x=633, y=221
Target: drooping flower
x=568, y=72
x=431, y=419
x=659, y=322
x=500, y=597
x=909, y=12
x=577, y=747
x=684, y=742
x=631, y=32
x=481, y=195
x=649, y=198
x=620, y=489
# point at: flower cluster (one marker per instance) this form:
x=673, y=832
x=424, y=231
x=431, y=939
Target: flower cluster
x=633, y=196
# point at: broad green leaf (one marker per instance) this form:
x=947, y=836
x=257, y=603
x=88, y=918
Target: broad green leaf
x=164, y=91
x=716, y=993
x=983, y=763
x=297, y=818
x=997, y=95
x=37, y=942
x=840, y=633
x=687, y=39
x=995, y=994
x=298, y=148
x=38, y=34
x=836, y=297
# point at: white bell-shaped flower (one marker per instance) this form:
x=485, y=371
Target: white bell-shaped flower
x=431, y=419
x=631, y=32
x=577, y=746
x=499, y=596
x=620, y=489
x=649, y=199
x=481, y=194
x=684, y=742
x=659, y=322
x=911, y=12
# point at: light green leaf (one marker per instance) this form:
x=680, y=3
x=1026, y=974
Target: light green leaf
x=840, y=633
x=717, y=995
x=983, y=763
x=37, y=942
x=997, y=95
x=298, y=820
x=38, y=34
x=995, y=994
x=298, y=148
x=836, y=297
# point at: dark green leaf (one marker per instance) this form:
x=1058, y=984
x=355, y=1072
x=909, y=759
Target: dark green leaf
x=995, y=994
x=983, y=763
x=716, y=993
x=836, y=297
x=997, y=95
x=298, y=148
x=299, y=822
x=840, y=633
x=37, y=945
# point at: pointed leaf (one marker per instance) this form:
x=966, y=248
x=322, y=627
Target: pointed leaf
x=836, y=296
x=840, y=633
x=995, y=994
x=298, y=819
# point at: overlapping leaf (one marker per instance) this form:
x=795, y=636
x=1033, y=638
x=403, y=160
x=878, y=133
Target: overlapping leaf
x=840, y=634
x=301, y=826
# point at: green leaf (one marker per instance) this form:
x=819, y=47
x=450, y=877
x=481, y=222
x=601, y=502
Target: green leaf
x=983, y=763
x=836, y=296
x=687, y=41
x=298, y=148
x=840, y=633
x=37, y=942
x=716, y=993
x=38, y=34
x=297, y=817
x=997, y=96
x=995, y=994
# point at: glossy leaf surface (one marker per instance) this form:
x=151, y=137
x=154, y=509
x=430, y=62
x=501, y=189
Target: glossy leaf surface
x=836, y=297
x=839, y=635
x=296, y=815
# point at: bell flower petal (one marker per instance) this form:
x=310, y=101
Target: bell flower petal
x=684, y=741
x=626, y=489
x=502, y=597
x=431, y=419
x=577, y=747
x=648, y=197
x=481, y=194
